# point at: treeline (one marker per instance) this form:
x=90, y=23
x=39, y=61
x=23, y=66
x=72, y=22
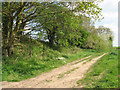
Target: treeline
x=61, y=24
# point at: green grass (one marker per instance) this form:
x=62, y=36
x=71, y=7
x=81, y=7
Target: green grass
x=89, y=59
x=48, y=80
x=93, y=56
x=68, y=72
x=21, y=66
x=103, y=74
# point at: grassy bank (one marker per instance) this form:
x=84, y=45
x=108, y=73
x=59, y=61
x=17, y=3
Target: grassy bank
x=103, y=74
x=21, y=66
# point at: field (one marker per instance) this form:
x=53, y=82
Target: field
x=21, y=66
x=103, y=74
x=58, y=45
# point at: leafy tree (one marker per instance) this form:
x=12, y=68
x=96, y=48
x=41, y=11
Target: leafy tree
x=60, y=21
x=100, y=39
x=51, y=24
x=106, y=34
x=78, y=33
x=15, y=15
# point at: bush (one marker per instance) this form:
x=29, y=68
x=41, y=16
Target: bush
x=95, y=42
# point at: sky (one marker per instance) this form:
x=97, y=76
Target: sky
x=110, y=13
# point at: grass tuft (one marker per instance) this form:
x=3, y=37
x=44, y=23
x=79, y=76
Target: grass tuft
x=104, y=73
x=21, y=66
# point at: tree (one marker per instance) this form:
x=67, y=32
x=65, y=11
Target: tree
x=15, y=15
x=57, y=19
x=100, y=38
x=52, y=24
x=106, y=34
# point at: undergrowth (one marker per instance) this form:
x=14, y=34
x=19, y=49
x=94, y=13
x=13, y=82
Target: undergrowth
x=21, y=66
x=103, y=74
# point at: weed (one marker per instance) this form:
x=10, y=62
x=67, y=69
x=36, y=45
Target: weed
x=108, y=79
x=68, y=72
x=21, y=66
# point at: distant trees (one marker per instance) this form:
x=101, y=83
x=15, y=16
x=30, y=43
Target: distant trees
x=100, y=38
x=106, y=34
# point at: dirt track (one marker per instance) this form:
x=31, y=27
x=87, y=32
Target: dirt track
x=63, y=77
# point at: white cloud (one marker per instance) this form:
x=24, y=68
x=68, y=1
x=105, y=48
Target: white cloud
x=107, y=4
x=114, y=29
x=110, y=13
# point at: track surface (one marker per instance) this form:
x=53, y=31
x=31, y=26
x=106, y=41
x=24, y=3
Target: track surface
x=63, y=77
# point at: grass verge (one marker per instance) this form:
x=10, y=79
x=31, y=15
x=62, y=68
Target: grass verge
x=103, y=74
x=21, y=66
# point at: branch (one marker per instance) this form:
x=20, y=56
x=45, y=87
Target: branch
x=20, y=9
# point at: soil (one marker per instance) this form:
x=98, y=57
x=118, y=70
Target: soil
x=62, y=77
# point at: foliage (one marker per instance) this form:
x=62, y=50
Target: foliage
x=15, y=16
x=66, y=26
x=56, y=15
x=99, y=39
x=21, y=66
x=106, y=34
x=117, y=47
x=62, y=26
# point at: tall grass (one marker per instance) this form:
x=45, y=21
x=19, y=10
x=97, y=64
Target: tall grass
x=21, y=66
x=103, y=74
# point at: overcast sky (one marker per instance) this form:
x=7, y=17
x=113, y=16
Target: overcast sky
x=110, y=13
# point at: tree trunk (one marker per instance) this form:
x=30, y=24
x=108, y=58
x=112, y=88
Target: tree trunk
x=51, y=41
x=30, y=47
x=4, y=47
x=10, y=45
x=10, y=50
x=30, y=51
x=51, y=37
x=43, y=50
